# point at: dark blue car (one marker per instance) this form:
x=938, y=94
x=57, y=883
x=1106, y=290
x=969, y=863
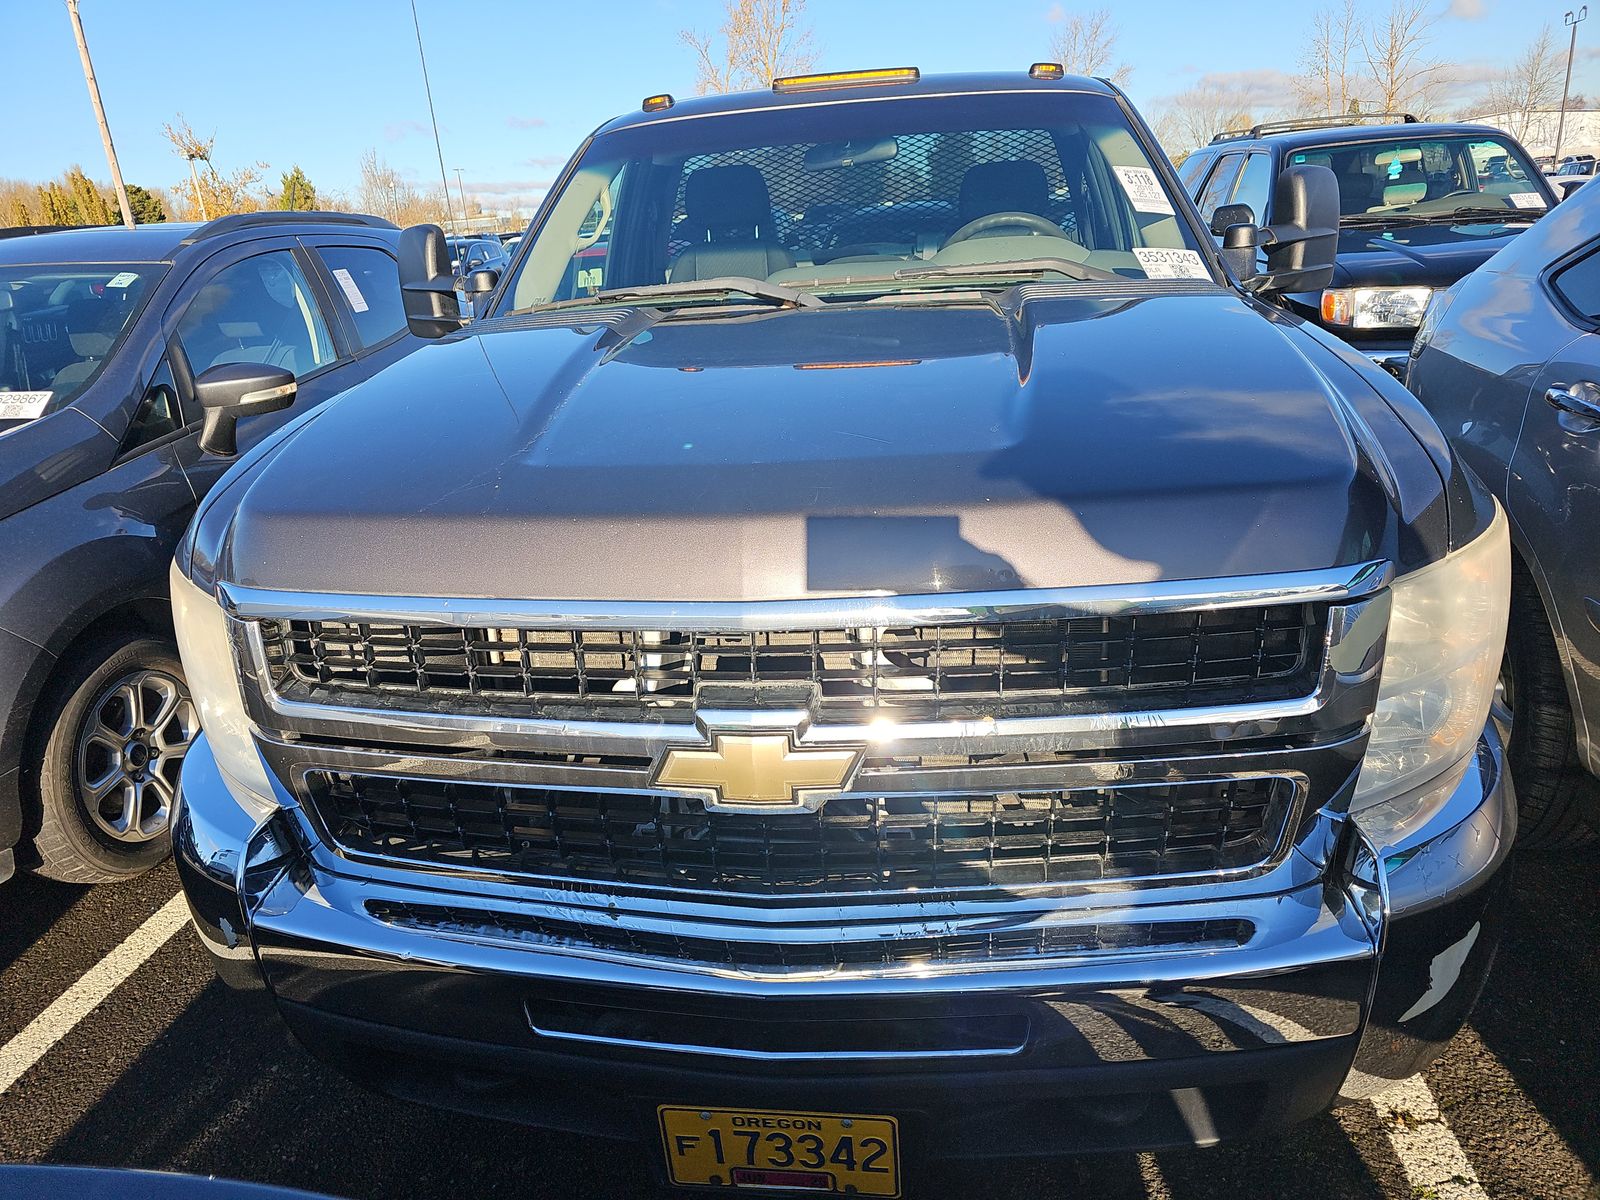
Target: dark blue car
x=103, y=334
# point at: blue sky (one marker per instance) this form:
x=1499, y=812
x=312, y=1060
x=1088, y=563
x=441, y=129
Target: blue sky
x=516, y=85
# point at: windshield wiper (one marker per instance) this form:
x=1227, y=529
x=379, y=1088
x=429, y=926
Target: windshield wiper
x=1023, y=266
x=1454, y=216
x=658, y=293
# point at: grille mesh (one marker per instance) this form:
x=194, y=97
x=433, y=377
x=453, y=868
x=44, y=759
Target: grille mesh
x=1170, y=658
x=852, y=844
x=778, y=957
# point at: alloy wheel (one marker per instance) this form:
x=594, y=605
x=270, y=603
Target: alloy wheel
x=130, y=751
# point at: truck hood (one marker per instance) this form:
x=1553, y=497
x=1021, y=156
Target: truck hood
x=1418, y=255
x=1143, y=433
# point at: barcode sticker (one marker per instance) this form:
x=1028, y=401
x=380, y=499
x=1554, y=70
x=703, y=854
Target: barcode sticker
x=352, y=293
x=1161, y=263
x=22, y=406
x=1144, y=190
x=1527, y=199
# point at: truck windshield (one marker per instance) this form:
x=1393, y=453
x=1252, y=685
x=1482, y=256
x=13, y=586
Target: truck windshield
x=57, y=326
x=1429, y=177
x=833, y=198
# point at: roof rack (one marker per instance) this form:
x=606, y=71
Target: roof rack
x=12, y=231
x=1255, y=131
x=248, y=220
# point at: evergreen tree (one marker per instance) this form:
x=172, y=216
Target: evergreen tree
x=297, y=194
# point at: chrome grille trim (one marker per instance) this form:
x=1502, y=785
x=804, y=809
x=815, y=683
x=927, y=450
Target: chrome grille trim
x=1333, y=584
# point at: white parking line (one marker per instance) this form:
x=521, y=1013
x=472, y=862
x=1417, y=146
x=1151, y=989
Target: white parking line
x=98, y=982
x=1434, y=1162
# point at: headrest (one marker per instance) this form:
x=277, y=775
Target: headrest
x=1404, y=154
x=1015, y=185
x=716, y=197
x=1403, y=193
x=90, y=344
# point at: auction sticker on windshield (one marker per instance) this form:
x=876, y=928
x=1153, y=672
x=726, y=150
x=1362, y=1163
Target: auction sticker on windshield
x=22, y=406
x=1161, y=263
x=776, y=1148
x=1144, y=190
x=1527, y=199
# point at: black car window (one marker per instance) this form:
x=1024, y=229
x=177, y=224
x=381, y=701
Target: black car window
x=259, y=310
x=1579, y=285
x=1193, y=171
x=1255, y=185
x=369, y=280
x=1215, y=193
x=158, y=413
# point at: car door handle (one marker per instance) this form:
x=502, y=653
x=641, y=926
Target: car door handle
x=1575, y=399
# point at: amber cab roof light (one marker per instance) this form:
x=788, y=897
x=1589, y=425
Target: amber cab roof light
x=838, y=79
x=1047, y=71
x=659, y=103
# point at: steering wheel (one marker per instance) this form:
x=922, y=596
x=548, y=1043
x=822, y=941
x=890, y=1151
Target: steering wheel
x=1032, y=222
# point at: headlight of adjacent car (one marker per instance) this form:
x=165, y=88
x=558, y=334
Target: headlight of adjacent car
x=1447, y=631
x=1376, y=307
x=208, y=664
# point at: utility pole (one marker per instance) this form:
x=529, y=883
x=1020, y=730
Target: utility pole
x=1572, y=21
x=463, y=190
x=100, y=115
x=428, y=88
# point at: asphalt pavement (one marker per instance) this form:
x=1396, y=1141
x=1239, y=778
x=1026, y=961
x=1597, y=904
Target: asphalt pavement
x=123, y=1051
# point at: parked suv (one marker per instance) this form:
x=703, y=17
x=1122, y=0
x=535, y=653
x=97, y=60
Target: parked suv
x=1420, y=205
x=1021, y=694
x=1508, y=361
x=106, y=336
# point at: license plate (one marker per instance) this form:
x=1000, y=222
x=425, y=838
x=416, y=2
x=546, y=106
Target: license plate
x=777, y=1148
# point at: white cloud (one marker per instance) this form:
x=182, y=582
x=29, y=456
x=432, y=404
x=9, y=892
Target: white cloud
x=526, y=122
x=1467, y=10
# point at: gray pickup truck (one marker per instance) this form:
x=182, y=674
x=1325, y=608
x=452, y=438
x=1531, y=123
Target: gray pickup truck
x=882, y=645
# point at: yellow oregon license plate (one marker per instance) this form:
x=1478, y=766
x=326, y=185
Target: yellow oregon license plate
x=777, y=1148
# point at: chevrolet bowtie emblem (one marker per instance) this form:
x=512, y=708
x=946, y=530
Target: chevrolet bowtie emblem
x=757, y=772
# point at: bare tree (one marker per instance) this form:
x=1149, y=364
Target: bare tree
x=1193, y=117
x=384, y=192
x=1328, y=83
x=1086, y=43
x=1394, y=47
x=210, y=193
x=761, y=40
x=1531, y=83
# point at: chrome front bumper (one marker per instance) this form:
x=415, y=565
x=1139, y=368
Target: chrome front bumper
x=1358, y=968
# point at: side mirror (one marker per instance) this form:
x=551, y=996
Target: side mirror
x=1565, y=187
x=232, y=390
x=1302, y=245
x=480, y=283
x=1231, y=214
x=427, y=284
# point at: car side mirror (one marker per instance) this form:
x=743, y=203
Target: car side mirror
x=1565, y=187
x=1229, y=215
x=1300, y=247
x=427, y=283
x=480, y=283
x=229, y=391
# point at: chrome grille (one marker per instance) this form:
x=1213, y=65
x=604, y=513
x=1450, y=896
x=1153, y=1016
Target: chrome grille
x=854, y=843
x=962, y=947
x=1162, y=658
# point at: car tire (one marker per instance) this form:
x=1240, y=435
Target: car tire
x=118, y=721
x=1555, y=793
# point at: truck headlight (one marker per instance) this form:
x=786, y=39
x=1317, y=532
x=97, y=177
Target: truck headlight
x=1447, y=631
x=1376, y=307
x=207, y=655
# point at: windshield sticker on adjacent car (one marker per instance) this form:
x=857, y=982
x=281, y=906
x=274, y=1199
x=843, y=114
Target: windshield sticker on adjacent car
x=1161, y=263
x=1527, y=199
x=123, y=279
x=1144, y=190
x=352, y=293
x=22, y=406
